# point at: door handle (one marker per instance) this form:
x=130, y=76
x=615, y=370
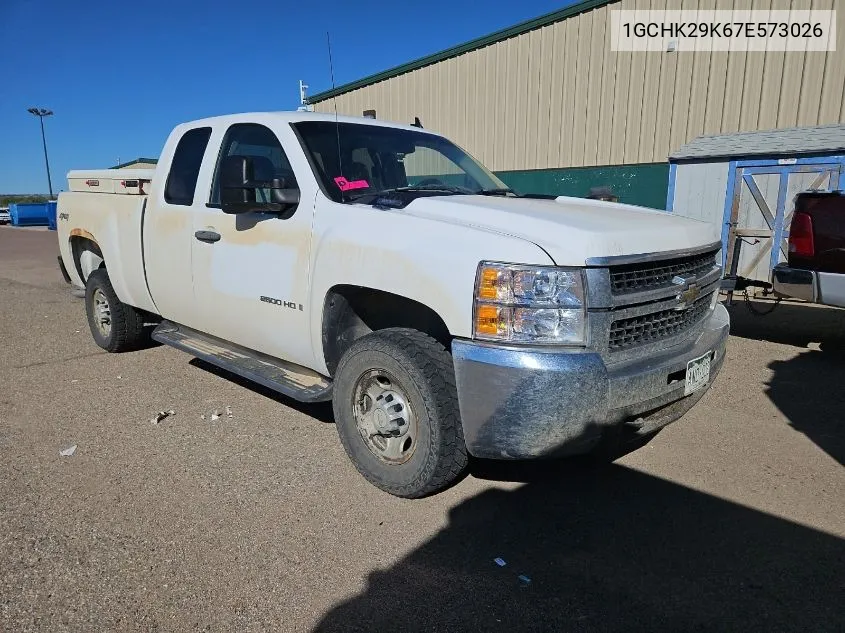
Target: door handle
x=207, y=236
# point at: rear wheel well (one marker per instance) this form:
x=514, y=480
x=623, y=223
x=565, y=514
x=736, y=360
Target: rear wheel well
x=351, y=312
x=87, y=256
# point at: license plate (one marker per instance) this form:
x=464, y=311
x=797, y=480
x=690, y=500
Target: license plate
x=698, y=373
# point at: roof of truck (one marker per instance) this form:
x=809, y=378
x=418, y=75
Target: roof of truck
x=296, y=117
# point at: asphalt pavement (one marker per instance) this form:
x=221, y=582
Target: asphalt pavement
x=732, y=519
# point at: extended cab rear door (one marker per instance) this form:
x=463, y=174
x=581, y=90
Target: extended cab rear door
x=168, y=226
x=251, y=270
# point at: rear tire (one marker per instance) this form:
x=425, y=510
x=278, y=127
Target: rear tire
x=115, y=326
x=396, y=410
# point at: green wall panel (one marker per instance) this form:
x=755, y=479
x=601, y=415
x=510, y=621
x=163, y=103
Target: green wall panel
x=644, y=185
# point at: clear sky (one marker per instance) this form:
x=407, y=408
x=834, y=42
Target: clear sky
x=119, y=74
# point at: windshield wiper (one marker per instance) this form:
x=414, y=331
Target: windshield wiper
x=501, y=191
x=432, y=187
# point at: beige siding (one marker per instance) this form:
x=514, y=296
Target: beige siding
x=833, y=85
x=644, y=137
x=594, y=97
x=555, y=118
x=559, y=97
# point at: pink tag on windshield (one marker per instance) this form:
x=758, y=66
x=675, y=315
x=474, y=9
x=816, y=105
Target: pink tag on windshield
x=346, y=185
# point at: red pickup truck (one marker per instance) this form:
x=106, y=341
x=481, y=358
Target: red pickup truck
x=815, y=268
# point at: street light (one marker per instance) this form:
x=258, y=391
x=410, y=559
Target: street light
x=41, y=113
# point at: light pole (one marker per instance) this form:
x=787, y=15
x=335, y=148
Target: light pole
x=41, y=113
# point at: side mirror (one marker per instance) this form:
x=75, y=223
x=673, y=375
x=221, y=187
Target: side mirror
x=242, y=192
x=282, y=194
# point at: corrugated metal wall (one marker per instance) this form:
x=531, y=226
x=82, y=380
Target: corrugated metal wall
x=558, y=97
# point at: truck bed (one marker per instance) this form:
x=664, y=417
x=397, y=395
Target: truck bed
x=114, y=223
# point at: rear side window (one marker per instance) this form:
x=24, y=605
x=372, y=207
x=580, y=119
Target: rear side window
x=182, y=179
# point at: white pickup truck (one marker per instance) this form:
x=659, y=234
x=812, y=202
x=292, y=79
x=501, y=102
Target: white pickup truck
x=381, y=267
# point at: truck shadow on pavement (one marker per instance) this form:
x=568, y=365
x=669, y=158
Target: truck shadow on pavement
x=605, y=549
x=809, y=389
x=790, y=324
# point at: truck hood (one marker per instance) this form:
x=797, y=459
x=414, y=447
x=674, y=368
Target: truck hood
x=570, y=230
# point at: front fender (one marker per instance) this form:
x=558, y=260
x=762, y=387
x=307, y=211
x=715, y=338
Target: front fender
x=425, y=260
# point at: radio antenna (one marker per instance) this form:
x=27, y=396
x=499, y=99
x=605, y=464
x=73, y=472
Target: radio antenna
x=336, y=123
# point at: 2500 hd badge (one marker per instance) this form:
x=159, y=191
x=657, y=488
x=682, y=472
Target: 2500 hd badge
x=279, y=302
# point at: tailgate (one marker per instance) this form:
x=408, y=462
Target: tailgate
x=826, y=210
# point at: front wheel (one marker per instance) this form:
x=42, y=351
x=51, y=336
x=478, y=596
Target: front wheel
x=396, y=409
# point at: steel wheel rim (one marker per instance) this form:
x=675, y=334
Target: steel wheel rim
x=384, y=418
x=102, y=313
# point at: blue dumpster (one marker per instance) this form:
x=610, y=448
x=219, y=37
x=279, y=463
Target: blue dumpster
x=51, y=214
x=28, y=214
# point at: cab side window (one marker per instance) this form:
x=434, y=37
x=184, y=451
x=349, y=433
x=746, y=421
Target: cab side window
x=185, y=167
x=268, y=159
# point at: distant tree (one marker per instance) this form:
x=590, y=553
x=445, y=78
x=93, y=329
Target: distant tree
x=7, y=199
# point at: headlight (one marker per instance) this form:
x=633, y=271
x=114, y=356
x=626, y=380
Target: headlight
x=719, y=256
x=529, y=304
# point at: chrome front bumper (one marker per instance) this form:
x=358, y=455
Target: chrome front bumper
x=522, y=403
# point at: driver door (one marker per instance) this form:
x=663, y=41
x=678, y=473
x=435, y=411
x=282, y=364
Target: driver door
x=251, y=269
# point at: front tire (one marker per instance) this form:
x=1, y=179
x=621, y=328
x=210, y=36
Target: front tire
x=396, y=409
x=115, y=326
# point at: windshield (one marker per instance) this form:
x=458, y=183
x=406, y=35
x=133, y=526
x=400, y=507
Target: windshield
x=374, y=159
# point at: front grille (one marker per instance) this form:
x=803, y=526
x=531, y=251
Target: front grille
x=630, y=278
x=650, y=328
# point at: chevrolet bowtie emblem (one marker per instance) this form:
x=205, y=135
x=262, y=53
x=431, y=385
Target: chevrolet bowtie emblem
x=687, y=296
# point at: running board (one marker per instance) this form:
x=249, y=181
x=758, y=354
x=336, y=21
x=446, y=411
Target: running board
x=289, y=379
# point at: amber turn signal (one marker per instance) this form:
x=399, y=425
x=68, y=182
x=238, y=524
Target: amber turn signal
x=487, y=320
x=488, y=284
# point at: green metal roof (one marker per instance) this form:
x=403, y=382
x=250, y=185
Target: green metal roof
x=149, y=161
x=481, y=42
